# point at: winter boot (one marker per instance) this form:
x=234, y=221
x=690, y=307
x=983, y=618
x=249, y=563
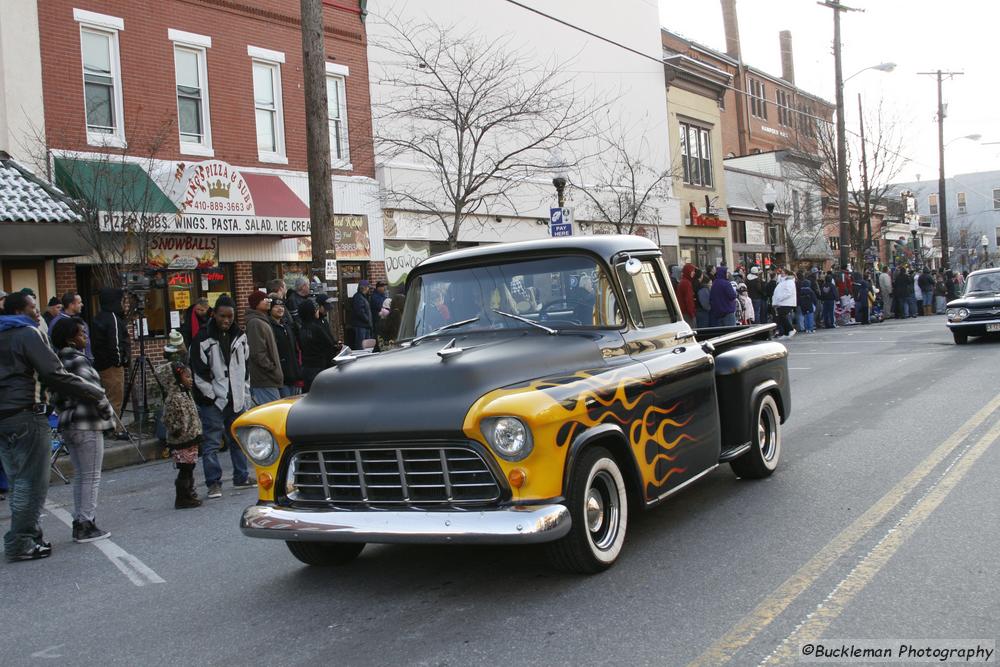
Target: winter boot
x=186, y=495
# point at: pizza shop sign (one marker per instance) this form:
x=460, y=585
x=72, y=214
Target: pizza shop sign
x=183, y=251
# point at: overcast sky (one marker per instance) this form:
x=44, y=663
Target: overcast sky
x=917, y=35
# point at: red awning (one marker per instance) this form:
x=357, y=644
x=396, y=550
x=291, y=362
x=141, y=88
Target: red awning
x=273, y=198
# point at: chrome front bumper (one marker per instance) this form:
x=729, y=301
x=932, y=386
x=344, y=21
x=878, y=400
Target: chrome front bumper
x=515, y=525
x=967, y=324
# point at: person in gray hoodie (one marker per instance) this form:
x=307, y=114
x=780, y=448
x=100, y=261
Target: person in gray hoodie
x=26, y=362
x=266, y=378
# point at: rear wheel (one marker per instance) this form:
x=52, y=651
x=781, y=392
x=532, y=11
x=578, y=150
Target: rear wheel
x=598, y=507
x=960, y=338
x=762, y=457
x=325, y=553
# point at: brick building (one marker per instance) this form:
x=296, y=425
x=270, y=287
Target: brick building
x=189, y=115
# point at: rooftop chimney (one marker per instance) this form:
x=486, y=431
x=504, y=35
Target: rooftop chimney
x=787, y=63
x=732, y=26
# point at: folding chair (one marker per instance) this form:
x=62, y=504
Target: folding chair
x=58, y=447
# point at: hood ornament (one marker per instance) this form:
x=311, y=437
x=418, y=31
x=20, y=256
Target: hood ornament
x=344, y=356
x=450, y=350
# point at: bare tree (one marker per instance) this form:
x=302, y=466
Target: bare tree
x=621, y=188
x=872, y=167
x=122, y=209
x=477, y=117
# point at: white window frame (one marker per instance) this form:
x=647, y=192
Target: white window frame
x=108, y=26
x=932, y=204
x=274, y=60
x=996, y=198
x=341, y=72
x=199, y=45
x=961, y=202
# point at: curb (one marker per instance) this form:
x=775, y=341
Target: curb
x=117, y=454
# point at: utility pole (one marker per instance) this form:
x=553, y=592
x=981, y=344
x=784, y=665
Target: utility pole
x=864, y=180
x=318, y=142
x=942, y=199
x=842, y=206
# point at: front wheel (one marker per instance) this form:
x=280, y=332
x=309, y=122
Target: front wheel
x=762, y=457
x=325, y=553
x=960, y=338
x=598, y=507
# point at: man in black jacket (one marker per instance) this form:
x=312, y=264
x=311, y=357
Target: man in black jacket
x=111, y=345
x=926, y=282
x=360, y=316
x=27, y=361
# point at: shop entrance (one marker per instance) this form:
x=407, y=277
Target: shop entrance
x=18, y=275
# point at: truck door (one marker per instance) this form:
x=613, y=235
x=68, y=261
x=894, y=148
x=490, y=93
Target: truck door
x=676, y=437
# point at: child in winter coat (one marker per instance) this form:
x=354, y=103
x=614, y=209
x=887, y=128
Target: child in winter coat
x=184, y=435
x=745, y=306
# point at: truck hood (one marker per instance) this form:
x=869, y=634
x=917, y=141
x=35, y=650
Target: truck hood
x=412, y=391
x=977, y=301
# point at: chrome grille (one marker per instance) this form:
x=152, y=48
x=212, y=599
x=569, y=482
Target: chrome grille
x=982, y=314
x=391, y=476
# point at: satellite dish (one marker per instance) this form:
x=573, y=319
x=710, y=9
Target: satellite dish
x=633, y=266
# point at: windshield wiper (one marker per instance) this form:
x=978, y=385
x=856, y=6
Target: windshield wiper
x=453, y=325
x=544, y=328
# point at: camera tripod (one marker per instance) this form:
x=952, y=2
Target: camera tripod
x=139, y=367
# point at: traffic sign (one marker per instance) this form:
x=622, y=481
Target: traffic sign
x=560, y=221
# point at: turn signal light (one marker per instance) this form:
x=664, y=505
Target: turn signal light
x=265, y=480
x=517, y=477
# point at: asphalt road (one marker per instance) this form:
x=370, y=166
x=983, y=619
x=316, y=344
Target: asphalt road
x=880, y=523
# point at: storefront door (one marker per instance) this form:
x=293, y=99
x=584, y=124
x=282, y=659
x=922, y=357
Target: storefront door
x=18, y=275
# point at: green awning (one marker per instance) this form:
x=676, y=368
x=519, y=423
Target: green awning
x=111, y=185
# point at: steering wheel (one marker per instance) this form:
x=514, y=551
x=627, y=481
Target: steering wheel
x=563, y=304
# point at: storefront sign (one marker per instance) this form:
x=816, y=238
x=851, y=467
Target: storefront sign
x=401, y=256
x=705, y=219
x=187, y=251
x=351, y=237
x=182, y=300
x=755, y=233
x=330, y=269
x=164, y=223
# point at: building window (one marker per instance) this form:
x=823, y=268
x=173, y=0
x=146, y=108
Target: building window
x=758, y=98
x=784, y=109
x=834, y=242
x=267, y=104
x=739, y=231
x=102, y=83
x=191, y=74
x=932, y=203
x=996, y=198
x=696, y=155
x=807, y=124
x=961, y=202
x=336, y=98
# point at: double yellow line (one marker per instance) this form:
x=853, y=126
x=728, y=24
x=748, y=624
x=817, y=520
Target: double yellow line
x=747, y=629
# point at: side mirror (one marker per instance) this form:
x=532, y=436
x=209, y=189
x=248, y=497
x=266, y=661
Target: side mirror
x=633, y=266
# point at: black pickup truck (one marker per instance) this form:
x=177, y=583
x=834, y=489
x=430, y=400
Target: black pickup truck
x=541, y=392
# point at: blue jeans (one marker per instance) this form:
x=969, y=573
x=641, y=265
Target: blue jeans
x=809, y=320
x=759, y=315
x=799, y=319
x=828, y=314
x=722, y=320
x=215, y=426
x=358, y=338
x=701, y=319
x=262, y=395
x=911, y=306
x=25, y=443
x=289, y=390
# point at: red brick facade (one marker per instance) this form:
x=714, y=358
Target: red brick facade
x=65, y=279
x=148, y=80
x=779, y=130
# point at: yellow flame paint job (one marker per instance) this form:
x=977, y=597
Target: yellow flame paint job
x=272, y=417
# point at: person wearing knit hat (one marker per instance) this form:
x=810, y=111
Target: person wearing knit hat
x=265, y=368
x=54, y=308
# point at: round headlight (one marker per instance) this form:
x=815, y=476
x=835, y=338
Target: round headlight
x=259, y=444
x=509, y=437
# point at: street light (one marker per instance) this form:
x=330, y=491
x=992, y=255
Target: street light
x=558, y=166
x=881, y=67
x=770, y=197
x=985, y=242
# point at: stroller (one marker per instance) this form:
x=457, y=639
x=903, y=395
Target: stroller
x=842, y=311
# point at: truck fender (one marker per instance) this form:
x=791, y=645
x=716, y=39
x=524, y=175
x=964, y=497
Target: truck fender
x=613, y=437
x=768, y=386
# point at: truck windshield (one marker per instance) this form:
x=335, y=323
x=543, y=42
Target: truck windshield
x=984, y=282
x=565, y=292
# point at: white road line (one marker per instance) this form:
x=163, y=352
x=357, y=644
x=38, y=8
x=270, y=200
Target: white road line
x=800, y=368
x=137, y=572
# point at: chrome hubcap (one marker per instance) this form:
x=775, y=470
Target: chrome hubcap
x=595, y=511
x=603, y=508
x=766, y=435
